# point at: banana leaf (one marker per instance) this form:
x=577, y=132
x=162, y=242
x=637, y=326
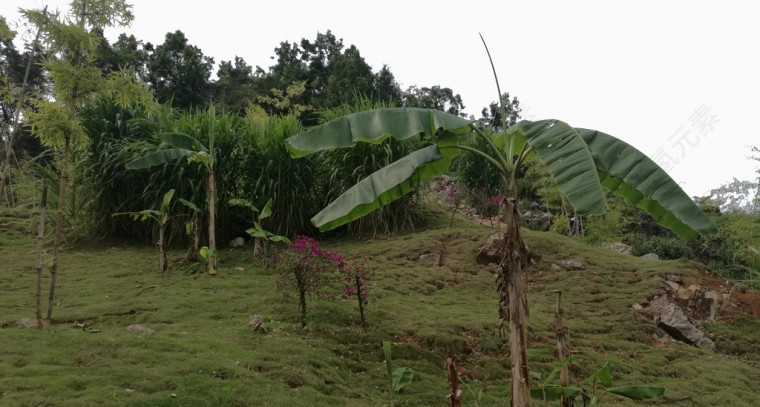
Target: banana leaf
x=374, y=126
x=629, y=173
x=568, y=160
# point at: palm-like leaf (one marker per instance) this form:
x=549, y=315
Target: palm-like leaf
x=374, y=126
x=159, y=157
x=629, y=173
x=568, y=160
x=384, y=186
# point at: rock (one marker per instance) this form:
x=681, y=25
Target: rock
x=673, y=286
x=571, y=265
x=237, y=242
x=674, y=278
x=27, y=323
x=637, y=306
x=538, y=220
x=239, y=269
x=650, y=256
x=491, y=250
x=619, y=247
x=141, y=329
x=430, y=260
x=674, y=321
x=257, y=324
x=555, y=267
x=684, y=293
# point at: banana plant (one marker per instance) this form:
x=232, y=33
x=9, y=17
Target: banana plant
x=257, y=232
x=161, y=217
x=582, y=162
x=184, y=146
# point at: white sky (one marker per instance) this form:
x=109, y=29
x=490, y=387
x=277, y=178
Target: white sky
x=676, y=79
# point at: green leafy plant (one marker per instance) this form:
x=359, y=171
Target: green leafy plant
x=399, y=377
x=582, y=162
x=192, y=229
x=547, y=391
x=161, y=217
x=185, y=146
x=259, y=235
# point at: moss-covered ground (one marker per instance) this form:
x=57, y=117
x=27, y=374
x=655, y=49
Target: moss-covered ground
x=205, y=354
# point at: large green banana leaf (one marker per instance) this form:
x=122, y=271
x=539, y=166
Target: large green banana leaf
x=159, y=157
x=629, y=173
x=180, y=140
x=182, y=146
x=568, y=160
x=385, y=186
x=374, y=126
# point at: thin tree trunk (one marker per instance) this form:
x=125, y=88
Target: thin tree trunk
x=562, y=352
x=513, y=276
x=162, y=260
x=6, y=172
x=211, y=186
x=40, y=238
x=357, y=280
x=454, y=398
x=64, y=180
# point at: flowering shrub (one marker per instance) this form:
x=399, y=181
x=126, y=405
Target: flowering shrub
x=485, y=204
x=306, y=268
x=479, y=199
x=355, y=277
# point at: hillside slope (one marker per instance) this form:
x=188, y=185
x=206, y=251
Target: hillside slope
x=205, y=354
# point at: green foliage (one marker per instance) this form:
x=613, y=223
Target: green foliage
x=667, y=248
x=399, y=377
x=561, y=225
x=548, y=391
x=257, y=232
x=732, y=252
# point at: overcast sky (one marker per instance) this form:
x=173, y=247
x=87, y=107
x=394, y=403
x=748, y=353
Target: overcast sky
x=676, y=79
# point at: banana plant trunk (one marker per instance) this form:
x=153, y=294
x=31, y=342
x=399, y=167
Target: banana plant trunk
x=211, y=196
x=513, y=272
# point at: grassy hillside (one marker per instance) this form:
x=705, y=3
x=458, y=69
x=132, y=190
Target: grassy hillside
x=205, y=354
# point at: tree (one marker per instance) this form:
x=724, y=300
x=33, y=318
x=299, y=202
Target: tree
x=333, y=74
x=386, y=88
x=185, y=146
x=18, y=74
x=126, y=53
x=234, y=87
x=179, y=72
x=71, y=44
x=581, y=161
x=436, y=97
x=491, y=116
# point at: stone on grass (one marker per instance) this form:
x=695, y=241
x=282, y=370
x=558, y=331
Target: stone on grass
x=619, y=247
x=237, y=242
x=27, y=323
x=141, y=329
x=571, y=265
x=492, y=250
x=257, y=324
x=674, y=321
x=650, y=256
x=430, y=260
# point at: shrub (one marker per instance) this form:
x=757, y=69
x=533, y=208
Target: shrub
x=306, y=268
x=668, y=248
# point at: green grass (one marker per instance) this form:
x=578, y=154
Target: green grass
x=204, y=353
